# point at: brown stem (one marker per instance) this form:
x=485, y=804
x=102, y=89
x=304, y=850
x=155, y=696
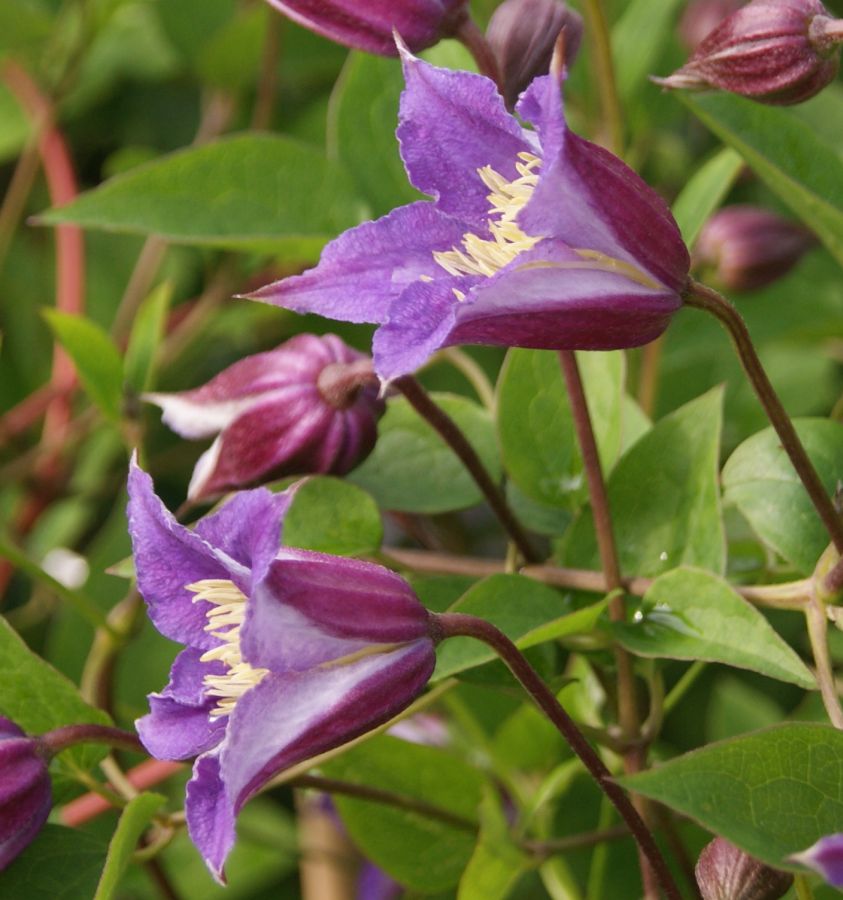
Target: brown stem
x=703, y=297
x=648, y=379
x=268, y=78
x=552, y=846
x=460, y=624
x=833, y=582
x=817, y=622
x=604, y=67
x=387, y=798
x=448, y=430
x=157, y=873
x=69, y=735
x=468, y=34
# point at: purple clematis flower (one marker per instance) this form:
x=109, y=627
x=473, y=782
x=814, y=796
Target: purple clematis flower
x=533, y=239
x=825, y=857
x=288, y=653
x=25, y=791
x=308, y=406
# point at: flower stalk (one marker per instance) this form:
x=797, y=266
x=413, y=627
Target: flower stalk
x=69, y=735
x=598, y=31
x=705, y=298
x=460, y=624
x=448, y=430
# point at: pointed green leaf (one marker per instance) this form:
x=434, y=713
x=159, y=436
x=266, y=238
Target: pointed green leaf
x=796, y=164
x=637, y=40
x=96, y=359
x=147, y=331
x=773, y=792
x=705, y=191
x=135, y=817
x=692, y=614
x=760, y=480
x=250, y=191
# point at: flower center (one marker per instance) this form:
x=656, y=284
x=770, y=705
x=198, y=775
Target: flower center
x=225, y=617
x=485, y=256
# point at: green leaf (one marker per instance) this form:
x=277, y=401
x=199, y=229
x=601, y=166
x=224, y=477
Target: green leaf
x=705, y=191
x=760, y=480
x=535, y=427
x=637, y=41
x=692, y=614
x=147, y=331
x=773, y=792
x=333, y=516
x=528, y=612
x=496, y=864
x=797, y=165
x=246, y=192
x=664, y=497
x=96, y=359
x=362, y=119
x=423, y=853
x=61, y=864
x=135, y=817
x=23, y=26
x=411, y=468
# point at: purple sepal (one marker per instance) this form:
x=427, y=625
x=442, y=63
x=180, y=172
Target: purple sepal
x=25, y=790
x=825, y=857
x=370, y=25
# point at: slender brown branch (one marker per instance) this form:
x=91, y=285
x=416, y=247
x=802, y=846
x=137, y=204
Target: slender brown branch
x=69, y=735
x=448, y=430
x=703, y=297
x=468, y=34
x=387, y=798
x=459, y=624
x=552, y=846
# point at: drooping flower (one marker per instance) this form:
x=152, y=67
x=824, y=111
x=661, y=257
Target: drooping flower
x=25, y=791
x=747, y=247
x=825, y=857
x=725, y=872
x=288, y=653
x=774, y=51
x=523, y=34
x=304, y=407
x=369, y=26
x=533, y=239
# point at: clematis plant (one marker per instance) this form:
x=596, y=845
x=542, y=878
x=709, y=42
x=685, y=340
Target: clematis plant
x=532, y=239
x=307, y=406
x=288, y=653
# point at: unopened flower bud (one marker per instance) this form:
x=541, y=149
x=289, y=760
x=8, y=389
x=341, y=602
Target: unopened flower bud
x=701, y=17
x=309, y=406
x=725, y=872
x=25, y=793
x=523, y=34
x=776, y=52
x=825, y=857
x=369, y=26
x=746, y=247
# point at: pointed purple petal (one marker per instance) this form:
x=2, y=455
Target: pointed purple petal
x=825, y=857
x=450, y=125
x=167, y=558
x=210, y=814
x=288, y=718
x=363, y=270
x=179, y=725
x=590, y=199
x=313, y=608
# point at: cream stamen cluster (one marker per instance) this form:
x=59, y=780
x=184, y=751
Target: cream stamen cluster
x=225, y=618
x=486, y=256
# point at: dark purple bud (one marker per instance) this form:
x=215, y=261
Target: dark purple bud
x=701, y=17
x=746, y=247
x=309, y=406
x=825, y=857
x=725, y=872
x=776, y=52
x=370, y=25
x=25, y=794
x=523, y=34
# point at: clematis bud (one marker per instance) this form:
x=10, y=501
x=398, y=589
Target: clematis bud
x=309, y=406
x=25, y=793
x=369, y=26
x=825, y=857
x=725, y=872
x=701, y=17
x=776, y=52
x=523, y=34
x=747, y=247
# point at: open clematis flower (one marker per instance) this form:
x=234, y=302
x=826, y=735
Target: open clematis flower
x=308, y=406
x=533, y=239
x=288, y=653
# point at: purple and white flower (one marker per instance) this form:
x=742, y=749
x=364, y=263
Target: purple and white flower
x=533, y=238
x=308, y=406
x=288, y=653
x=825, y=857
